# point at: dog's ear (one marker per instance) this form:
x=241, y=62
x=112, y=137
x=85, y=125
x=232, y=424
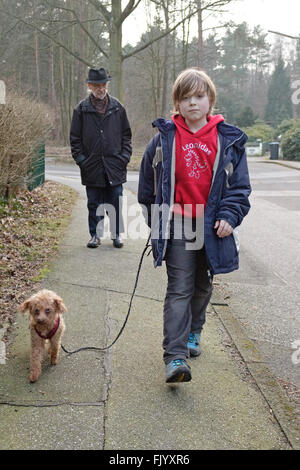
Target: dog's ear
x=59, y=305
x=24, y=307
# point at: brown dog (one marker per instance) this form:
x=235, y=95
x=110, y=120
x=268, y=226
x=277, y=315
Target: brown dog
x=46, y=326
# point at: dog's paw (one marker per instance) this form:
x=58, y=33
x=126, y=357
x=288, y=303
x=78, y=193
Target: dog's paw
x=34, y=375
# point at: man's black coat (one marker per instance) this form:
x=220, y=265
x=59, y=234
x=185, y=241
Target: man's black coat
x=101, y=144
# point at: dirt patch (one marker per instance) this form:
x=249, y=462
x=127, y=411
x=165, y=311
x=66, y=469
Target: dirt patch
x=292, y=390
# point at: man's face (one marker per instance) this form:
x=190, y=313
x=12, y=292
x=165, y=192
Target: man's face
x=99, y=90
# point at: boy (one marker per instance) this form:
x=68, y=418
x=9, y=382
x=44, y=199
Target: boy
x=195, y=165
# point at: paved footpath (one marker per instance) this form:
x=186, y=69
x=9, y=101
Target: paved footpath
x=118, y=399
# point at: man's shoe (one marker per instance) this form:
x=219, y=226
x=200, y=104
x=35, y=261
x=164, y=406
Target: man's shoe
x=94, y=242
x=194, y=344
x=117, y=243
x=178, y=371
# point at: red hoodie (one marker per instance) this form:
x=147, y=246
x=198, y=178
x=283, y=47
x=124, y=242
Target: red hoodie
x=195, y=156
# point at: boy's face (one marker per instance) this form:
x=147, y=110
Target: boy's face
x=99, y=90
x=194, y=108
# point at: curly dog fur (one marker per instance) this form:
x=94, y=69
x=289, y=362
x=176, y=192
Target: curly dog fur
x=45, y=310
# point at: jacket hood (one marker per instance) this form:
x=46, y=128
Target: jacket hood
x=212, y=121
x=163, y=125
x=230, y=133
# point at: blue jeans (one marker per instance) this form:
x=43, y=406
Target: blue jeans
x=188, y=294
x=98, y=201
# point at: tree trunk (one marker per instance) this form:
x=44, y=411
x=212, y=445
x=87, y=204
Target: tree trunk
x=166, y=62
x=52, y=93
x=64, y=132
x=82, y=73
x=185, y=40
x=37, y=66
x=115, y=39
x=200, y=35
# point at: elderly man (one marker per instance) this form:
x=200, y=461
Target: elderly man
x=100, y=139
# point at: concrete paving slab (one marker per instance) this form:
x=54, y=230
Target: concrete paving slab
x=66, y=427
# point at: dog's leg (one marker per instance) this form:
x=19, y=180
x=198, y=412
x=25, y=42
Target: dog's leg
x=54, y=349
x=55, y=343
x=37, y=348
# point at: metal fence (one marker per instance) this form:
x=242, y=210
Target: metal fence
x=36, y=174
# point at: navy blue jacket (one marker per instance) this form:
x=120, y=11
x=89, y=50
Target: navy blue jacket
x=228, y=198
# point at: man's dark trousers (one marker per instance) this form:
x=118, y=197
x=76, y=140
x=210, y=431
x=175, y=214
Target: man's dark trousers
x=99, y=200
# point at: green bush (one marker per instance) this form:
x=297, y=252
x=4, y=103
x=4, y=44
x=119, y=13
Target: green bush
x=286, y=125
x=260, y=130
x=290, y=144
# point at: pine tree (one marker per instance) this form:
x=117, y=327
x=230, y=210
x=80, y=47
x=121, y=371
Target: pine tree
x=246, y=117
x=279, y=105
x=296, y=81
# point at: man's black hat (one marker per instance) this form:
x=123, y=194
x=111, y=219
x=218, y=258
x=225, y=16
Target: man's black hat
x=98, y=76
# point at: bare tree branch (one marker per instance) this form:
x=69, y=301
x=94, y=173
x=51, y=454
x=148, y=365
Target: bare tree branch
x=211, y=5
x=157, y=38
x=44, y=33
x=130, y=7
x=102, y=10
x=10, y=29
x=80, y=24
x=282, y=34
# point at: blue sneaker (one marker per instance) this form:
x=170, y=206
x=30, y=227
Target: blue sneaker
x=178, y=371
x=194, y=344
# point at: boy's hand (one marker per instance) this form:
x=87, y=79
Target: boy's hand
x=224, y=228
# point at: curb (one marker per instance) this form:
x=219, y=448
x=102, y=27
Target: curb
x=286, y=163
x=282, y=409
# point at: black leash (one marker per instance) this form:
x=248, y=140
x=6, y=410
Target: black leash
x=129, y=309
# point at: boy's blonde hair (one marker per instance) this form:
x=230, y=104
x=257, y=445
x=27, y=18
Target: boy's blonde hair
x=191, y=81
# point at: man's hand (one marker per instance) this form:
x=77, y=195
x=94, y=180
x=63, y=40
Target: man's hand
x=224, y=228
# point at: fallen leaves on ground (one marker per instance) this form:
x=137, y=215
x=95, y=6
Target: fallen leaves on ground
x=31, y=227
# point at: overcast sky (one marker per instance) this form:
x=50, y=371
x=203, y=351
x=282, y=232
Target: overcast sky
x=278, y=15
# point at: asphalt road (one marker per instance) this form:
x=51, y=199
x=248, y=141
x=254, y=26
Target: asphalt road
x=264, y=294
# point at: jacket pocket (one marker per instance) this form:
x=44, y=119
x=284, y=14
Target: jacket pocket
x=227, y=251
x=115, y=167
x=87, y=163
x=116, y=161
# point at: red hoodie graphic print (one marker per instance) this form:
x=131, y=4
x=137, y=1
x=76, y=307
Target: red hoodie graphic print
x=195, y=156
